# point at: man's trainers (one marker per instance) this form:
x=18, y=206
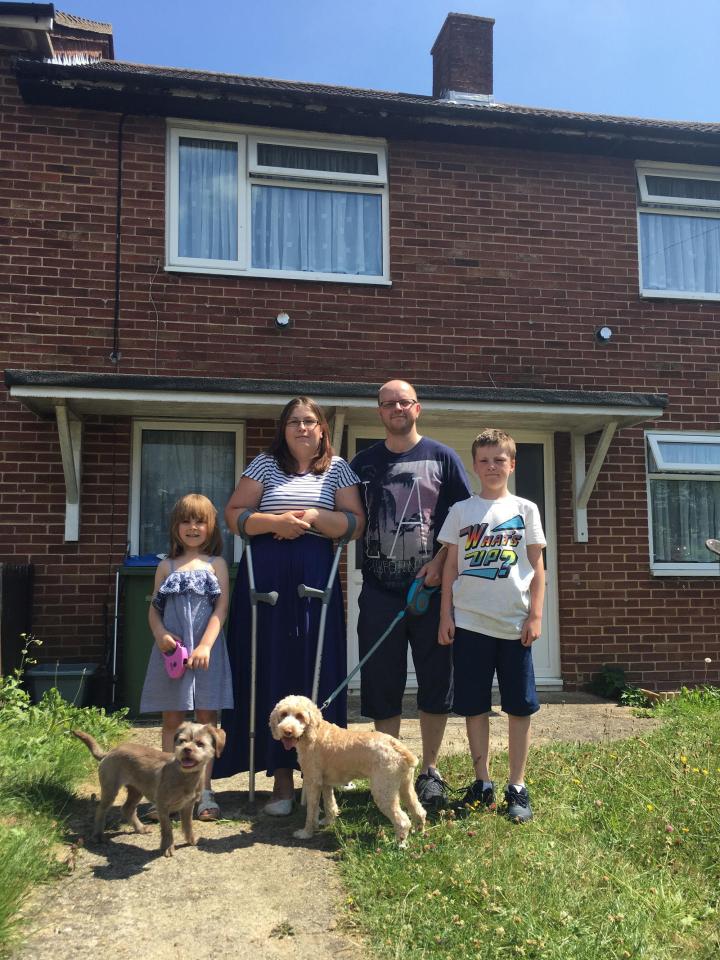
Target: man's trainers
x=518, y=804
x=432, y=790
x=475, y=798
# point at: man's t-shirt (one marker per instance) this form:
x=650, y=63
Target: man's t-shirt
x=492, y=592
x=406, y=497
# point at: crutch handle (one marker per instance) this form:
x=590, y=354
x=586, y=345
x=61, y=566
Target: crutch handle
x=269, y=598
x=305, y=591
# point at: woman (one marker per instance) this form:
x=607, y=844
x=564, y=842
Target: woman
x=299, y=495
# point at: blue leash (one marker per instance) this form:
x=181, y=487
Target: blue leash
x=416, y=604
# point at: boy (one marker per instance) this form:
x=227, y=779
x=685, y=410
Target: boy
x=493, y=586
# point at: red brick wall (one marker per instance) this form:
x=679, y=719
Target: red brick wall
x=503, y=265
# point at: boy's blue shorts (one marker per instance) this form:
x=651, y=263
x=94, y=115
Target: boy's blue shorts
x=477, y=658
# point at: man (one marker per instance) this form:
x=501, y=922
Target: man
x=408, y=483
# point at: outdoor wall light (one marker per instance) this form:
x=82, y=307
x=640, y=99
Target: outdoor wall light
x=603, y=334
x=282, y=320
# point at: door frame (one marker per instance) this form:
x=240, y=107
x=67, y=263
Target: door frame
x=547, y=659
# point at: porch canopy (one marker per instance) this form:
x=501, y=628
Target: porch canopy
x=68, y=398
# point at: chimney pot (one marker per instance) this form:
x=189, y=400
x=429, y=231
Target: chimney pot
x=463, y=56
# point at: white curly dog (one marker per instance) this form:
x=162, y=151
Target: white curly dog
x=331, y=756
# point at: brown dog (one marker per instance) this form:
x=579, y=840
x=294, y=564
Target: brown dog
x=172, y=781
x=330, y=756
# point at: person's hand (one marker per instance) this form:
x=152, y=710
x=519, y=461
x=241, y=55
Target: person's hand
x=291, y=525
x=310, y=515
x=532, y=628
x=199, y=659
x=167, y=642
x=432, y=570
x=446, y=632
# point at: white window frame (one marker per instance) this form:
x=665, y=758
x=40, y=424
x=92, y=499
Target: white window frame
x=237, y=427
x=673, y=207
x=249, y=172
x=673, y=470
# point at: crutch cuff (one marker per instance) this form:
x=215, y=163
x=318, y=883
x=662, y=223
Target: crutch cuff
x=351, y=525
x=242, y=520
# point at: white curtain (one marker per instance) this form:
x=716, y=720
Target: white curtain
x=208, y=199
x=684, y=514
x=322, y=231
x=176, y=462
x=680, y=253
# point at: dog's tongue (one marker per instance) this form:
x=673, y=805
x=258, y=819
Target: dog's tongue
x=289, y=742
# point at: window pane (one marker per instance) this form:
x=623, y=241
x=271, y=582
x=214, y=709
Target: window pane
x=707, y=454
x=683, y=187
x=321, y=231
x=208, y=199
x=176, y=462
x=310, y=158
x=684, y=514
x=680, y=253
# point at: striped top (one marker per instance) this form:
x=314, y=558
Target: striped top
x=297, y=491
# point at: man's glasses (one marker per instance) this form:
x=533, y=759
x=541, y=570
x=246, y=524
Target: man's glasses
x=391, y=404
x=308, y=423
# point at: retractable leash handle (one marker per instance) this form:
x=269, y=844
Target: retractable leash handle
x=419, y=597
x=271, y=599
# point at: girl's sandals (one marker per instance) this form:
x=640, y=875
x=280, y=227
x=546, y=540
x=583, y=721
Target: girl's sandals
x=207, y=808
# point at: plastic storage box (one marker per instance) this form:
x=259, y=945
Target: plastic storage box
x=71, y=680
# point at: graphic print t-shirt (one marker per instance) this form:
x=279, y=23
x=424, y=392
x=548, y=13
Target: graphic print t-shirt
x=492, y=592
x=406, y=497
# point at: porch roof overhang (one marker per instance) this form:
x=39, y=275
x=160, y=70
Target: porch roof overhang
x=69, y=398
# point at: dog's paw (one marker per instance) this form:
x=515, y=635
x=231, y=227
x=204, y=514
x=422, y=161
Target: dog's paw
x=303, y=834
x=169, y=851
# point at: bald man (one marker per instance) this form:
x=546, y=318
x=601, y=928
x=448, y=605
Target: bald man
x=408, y=483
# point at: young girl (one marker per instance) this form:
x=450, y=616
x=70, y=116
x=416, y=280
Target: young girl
x=189, y=605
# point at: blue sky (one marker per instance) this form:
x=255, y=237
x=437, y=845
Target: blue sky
x=646, y=58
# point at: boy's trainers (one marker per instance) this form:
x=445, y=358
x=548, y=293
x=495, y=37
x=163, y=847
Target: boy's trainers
x=475, y=798
x=432, y=790
x=518, y=804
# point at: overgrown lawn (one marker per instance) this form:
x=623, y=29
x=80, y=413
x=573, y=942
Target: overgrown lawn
x=622, y=859
x=41, y=764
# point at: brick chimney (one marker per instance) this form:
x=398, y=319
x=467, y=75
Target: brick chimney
x=463, y=57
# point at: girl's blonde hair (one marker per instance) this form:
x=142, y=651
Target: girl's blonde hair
x=194, y=506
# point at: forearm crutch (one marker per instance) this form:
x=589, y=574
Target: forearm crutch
x=255, y=598
x=324, y=597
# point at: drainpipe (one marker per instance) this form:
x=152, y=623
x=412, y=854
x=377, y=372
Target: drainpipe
x=115, y=354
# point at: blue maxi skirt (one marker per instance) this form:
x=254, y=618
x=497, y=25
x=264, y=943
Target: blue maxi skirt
x=287, y=637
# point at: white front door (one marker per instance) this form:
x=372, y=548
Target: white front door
x=533, y=479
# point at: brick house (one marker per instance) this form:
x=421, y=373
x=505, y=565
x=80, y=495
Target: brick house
x=183, y=251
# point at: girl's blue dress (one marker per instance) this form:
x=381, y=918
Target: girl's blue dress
x=186, y=600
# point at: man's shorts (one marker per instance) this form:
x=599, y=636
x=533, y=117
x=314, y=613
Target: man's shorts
x=477, y=658
x=383, y=678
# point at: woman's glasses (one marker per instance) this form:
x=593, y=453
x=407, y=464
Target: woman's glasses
x=308, y=423
x=391, y=404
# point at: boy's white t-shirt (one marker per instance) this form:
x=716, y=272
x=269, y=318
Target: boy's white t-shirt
x=492, y=592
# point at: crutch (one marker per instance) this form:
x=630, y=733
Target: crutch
x=255, y=598
x=324, y=597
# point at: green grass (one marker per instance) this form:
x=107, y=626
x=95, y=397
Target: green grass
x=41, y=764
x=622, y=859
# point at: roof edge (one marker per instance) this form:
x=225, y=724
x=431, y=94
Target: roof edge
x=321, y=388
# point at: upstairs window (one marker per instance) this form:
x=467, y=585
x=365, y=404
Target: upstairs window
x=679, y=231
x=684, y=500
x=246, y=203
